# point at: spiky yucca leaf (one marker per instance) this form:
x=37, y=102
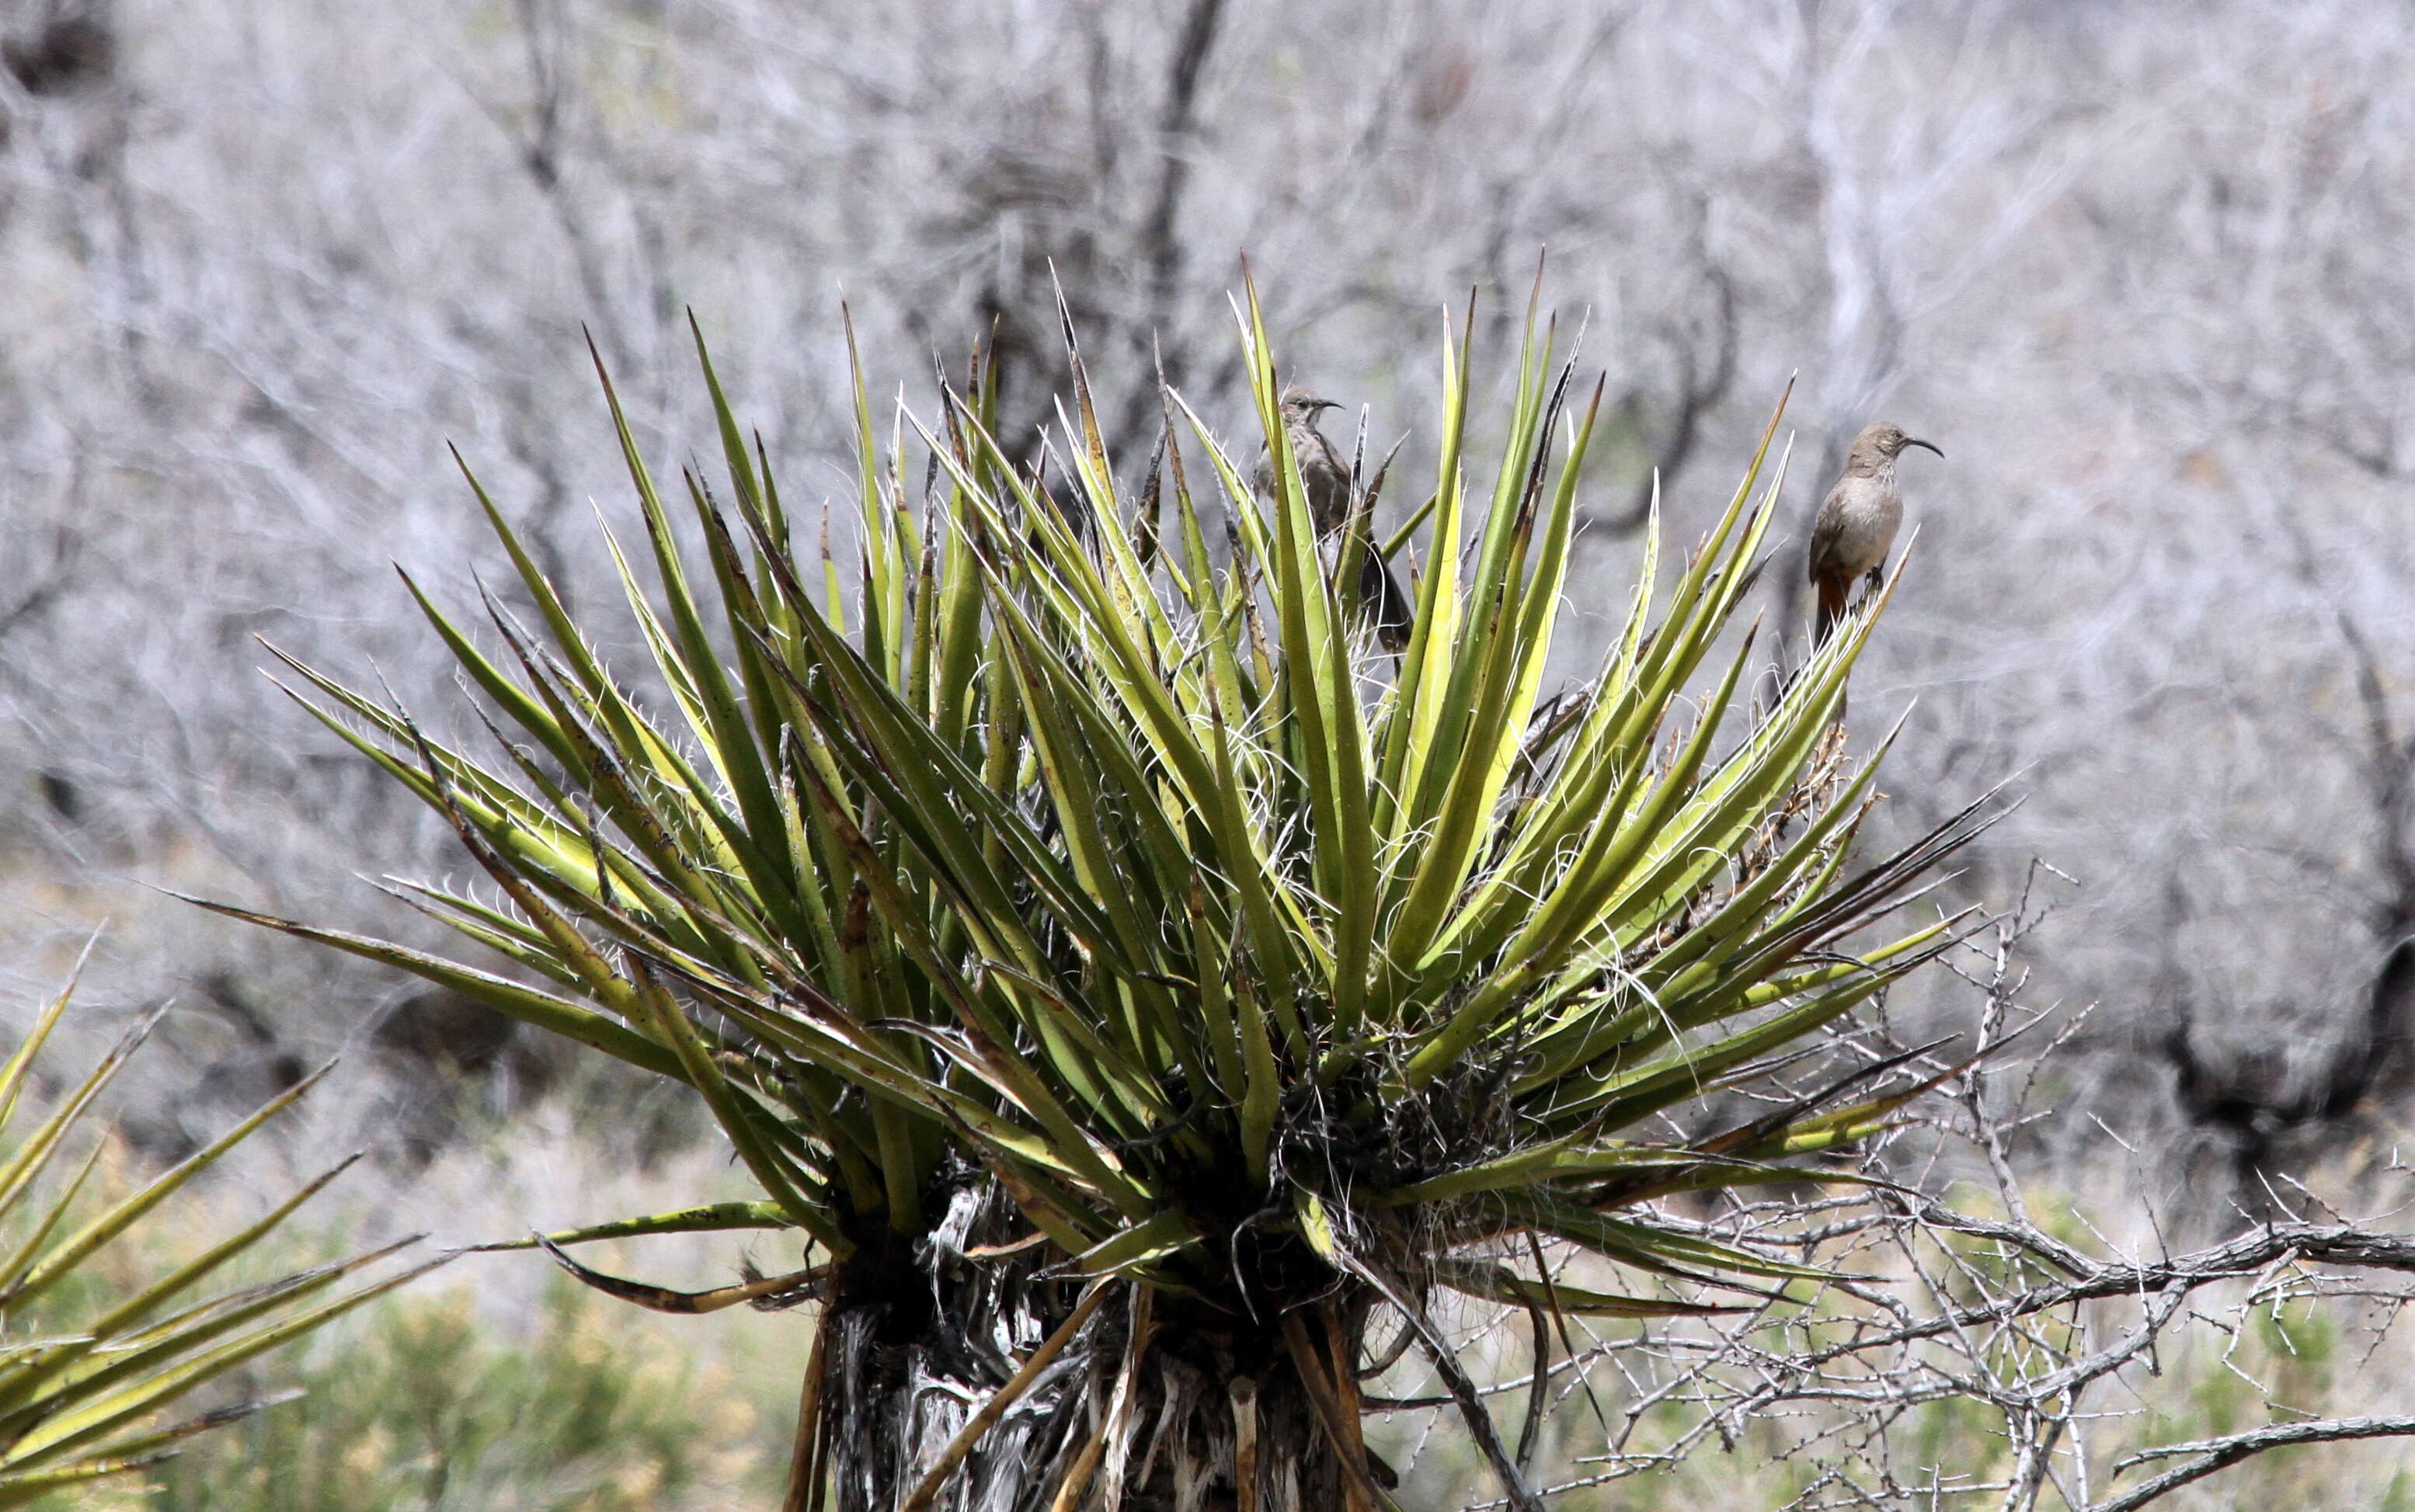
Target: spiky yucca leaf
x=1044, y=842
x=77, y=1387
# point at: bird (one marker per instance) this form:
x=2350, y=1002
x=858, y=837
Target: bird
x=1324, y=482
x=1322, y=474
x=1857, y=521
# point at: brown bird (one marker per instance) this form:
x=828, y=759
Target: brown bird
x=1321, y=470
x=1858, y=522
x=1326, y=481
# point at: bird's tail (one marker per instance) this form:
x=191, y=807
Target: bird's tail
x=1831, y=607
x=1823, y=624
x=1382, y=600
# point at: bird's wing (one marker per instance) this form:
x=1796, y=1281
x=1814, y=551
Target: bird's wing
x=1827, y=536
x=1327, y=480
x=1327, y=452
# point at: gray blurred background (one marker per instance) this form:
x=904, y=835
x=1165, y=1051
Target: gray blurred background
x=2144, y=270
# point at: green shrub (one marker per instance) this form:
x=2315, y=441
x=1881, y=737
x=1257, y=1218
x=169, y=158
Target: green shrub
x=1063, y=922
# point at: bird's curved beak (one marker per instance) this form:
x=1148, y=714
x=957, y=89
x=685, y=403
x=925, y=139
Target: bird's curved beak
x=1923, y=445
x=1335, y=404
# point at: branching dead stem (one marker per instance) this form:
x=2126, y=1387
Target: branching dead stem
x=1978, y=1295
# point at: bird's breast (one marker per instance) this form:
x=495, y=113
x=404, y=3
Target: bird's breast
x=1859, y=524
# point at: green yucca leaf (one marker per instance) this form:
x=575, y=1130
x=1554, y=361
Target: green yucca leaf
x=20, y=1064
x=1571, y=1156
x=72, y=1401
x=125, y=1401
x=143, y=1304
x=1144, y=1243
x=19, y=1488
x=58, y=1263
x=560, y=1015
x=21, y=1165
x=37, y=1393
x=1498, y=1283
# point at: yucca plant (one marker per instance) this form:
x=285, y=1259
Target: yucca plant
x=87, y=1367
x=1130, y=985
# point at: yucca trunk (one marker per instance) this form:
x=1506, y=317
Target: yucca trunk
x=913, y=1345
x=898, y=1405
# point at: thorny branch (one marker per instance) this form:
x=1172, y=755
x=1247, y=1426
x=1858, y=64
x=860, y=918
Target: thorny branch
x=2215, y=1454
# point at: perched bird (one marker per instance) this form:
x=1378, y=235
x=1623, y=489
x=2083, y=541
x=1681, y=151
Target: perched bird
x=1321, y=470
x=1326, y=481
x=1858, y=520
